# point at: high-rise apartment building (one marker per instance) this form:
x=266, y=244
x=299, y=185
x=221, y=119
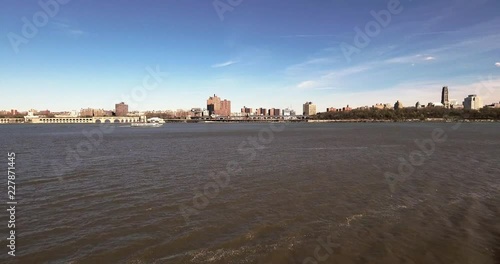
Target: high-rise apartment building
x=246, y=111
x=444, y=97
x=219, y=107
x=274, y=112
x=121, y=109
x=309, y=109
x=473, y=102
x=261, y=111
x=225, y=108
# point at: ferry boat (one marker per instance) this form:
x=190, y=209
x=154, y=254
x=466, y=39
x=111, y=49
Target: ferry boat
x=151, y=122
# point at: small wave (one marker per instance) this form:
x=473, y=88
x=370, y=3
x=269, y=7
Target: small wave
x=353, y=218
x=205, y=255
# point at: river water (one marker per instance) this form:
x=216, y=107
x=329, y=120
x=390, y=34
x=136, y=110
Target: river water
x=255, y=193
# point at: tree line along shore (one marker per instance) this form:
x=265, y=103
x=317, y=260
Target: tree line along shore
x=413, y=114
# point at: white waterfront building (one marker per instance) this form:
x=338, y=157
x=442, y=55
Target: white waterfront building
x=473, y=102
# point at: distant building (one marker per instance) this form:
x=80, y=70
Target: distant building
x=274, y=112
x=183, y=114
x=121, y=109
x=225, y=108
x=473, y=102
x=309, y=109
x=431, y=104
x=213, y=105
x=196, y=112
x=31, y=116
x=331, y=109
x=444, y=97
x=43, y=113
x=261, y=111
x=89, y=112
x=346, y=109
x=494, y=105
x=219, y=107
x=288, y=112
x=398, y=105
x=70, y=114
x=417, y=105
x=245, y=110
x=383, y=106
x=455, y=104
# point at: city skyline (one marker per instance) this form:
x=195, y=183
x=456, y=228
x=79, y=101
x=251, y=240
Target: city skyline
x=222, y=107
x=77, y=61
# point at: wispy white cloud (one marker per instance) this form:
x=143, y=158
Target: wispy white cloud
x=328, y=72
x=224, y=64
x=410, y=59
x=306, y=84
x=310, y=64
x=67, y=29
x=332, y=78
x=348, y=71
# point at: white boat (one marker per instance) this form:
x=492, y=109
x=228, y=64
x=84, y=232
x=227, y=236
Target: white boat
x=146, y=125
x=152, y=122
x=156, y=120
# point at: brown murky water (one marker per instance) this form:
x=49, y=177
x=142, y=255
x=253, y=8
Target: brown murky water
x=256, y=193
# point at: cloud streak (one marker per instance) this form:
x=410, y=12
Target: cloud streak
x=497, y=64
x=331, y=78
x=67, y=29
x=224, y=64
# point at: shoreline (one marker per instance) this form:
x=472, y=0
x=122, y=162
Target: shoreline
x=312, y=121
x=433, y=120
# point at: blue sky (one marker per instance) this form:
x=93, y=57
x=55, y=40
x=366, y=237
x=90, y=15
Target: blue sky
x=261, y=54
